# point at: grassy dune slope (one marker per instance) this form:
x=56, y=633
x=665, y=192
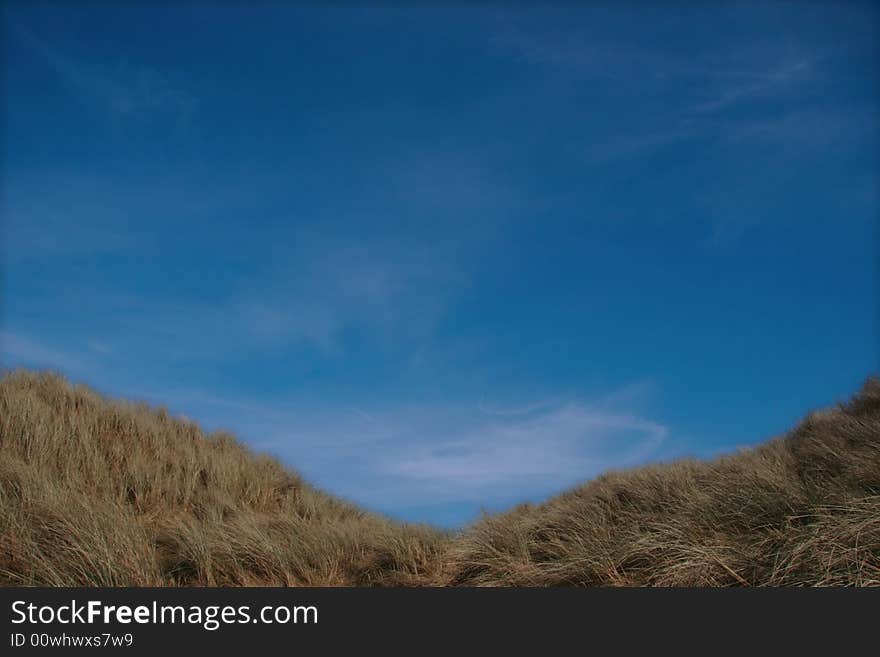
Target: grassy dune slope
x=95, y=492
x=803, y=509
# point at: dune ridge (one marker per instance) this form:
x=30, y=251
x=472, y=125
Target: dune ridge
x=97, y=492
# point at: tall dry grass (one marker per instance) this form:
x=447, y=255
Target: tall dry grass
x=103, y=493
x=96, y=492
x=803, y=509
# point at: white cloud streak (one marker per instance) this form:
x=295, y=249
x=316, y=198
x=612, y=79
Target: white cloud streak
x=450, y=452
x=551, y=448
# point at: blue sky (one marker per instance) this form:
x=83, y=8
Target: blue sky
x=447, y=258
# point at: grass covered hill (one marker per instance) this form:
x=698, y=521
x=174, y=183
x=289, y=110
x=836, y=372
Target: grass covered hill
x=99, y=492
x=94, y=492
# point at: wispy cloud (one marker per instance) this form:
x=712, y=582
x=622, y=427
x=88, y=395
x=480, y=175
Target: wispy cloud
x=699, y=90
x=79, y=217
x=584, y=57
x=307, y=293
x=123, y=89
x=389, y=457
x=821, y=130
x=775, y=103
x=765, y=80
x=100, y=347
x=396, y=289
x=20, y=350
x=89, y=212
x=737, y=72
x=551, y=448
